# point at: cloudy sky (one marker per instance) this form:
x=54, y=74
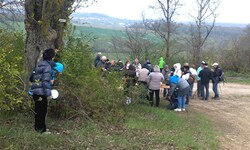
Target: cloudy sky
x=230, y=11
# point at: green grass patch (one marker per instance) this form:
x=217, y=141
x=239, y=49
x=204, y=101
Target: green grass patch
x=144, y=127
x=241, y=78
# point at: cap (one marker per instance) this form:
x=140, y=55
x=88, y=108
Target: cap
x=215, y=64
x=203, y=63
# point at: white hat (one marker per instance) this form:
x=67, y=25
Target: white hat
x=104, y=58
x=99, y=53
x=215, y=64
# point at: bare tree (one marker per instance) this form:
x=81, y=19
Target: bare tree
x=134, y=42
x=166, y=26
x=204, y=22
x=45, y=21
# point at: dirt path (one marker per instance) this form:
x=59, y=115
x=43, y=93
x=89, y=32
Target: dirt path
x=231, y=115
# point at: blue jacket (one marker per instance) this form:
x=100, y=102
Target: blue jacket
x=42, y=78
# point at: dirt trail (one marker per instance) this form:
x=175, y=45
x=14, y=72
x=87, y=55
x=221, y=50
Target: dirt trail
x=231, y=115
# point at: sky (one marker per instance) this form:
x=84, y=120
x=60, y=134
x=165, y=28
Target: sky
x=229, y=11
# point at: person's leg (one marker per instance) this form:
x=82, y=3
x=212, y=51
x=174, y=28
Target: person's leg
x=157, y=97
x=41, y=103
x=202, y=91
x=179, y=102
x=199, y=88
x=151, y=95
x=191, y=90
x=207, y=91
x=183, y=103
x=215, y=88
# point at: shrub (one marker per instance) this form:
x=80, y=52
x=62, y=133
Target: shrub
x=11, y=63
x=85, y=92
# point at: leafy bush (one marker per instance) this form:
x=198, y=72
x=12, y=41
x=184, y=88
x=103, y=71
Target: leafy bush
x=11, y=63
x=85, y=92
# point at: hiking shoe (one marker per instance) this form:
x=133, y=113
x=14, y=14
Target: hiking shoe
x=177, y=109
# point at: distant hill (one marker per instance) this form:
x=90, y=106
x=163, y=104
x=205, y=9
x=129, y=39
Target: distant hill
x=104, y=21
x=100, y=20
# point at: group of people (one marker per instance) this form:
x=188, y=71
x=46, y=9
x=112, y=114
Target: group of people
x=149, y=77
x=181, y=79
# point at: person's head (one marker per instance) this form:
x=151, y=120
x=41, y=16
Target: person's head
x=104, y=58
x=177, y=66
x=49, y=54
x=203, y=63
x=166, y=67
x=215, y=65
x=156, y=68
x=136, y=61
x=131, y=67
x=112, y=62
x=186, y=64
x=185, y=68
x=59, y=67
x=99, y=54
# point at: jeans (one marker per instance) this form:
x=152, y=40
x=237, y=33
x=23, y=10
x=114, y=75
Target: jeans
x=41, y=103
x=205, y=96
x=157, y=97
x=215, y=87
x=181, y=102
x=191, y=90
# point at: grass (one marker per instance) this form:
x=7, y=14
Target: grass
x=144, y=127
x=241, y=78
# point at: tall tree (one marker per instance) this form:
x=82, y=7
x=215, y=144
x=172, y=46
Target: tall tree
x=204, y=22
x=166, y=26
x=45, y=21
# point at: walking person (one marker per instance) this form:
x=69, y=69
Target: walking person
x=41, y=88
x=205, y=75
x=217, y=72
x=154, y=82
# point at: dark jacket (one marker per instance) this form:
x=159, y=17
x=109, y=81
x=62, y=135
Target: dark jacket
x=206, y=75
x=41, y=84
x=217, y=72
x=97, y=59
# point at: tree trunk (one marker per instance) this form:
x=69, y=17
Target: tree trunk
x=43, y=29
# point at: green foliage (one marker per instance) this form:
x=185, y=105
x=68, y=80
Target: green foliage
x=11, y=63
x=87, y=92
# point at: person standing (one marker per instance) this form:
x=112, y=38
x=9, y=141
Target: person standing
x=161, y=63
x=166, y=74
x=199, y=79
x=41, y=88
x=142, y=81
x=97, y=59
x=154, y=82
x=205, y=75
x=217, y=72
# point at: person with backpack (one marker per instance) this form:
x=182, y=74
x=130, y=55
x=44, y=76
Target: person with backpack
x=217, y=73
x=183, y=89
x=41, y=88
